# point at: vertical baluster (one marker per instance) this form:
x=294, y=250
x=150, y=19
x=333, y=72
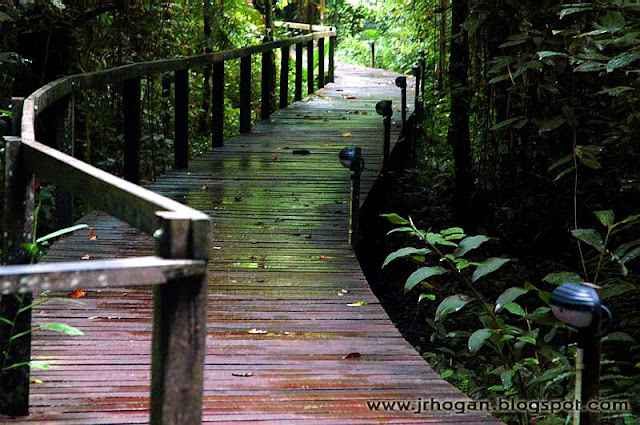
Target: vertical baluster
x=19, y=199
x=284, y=77
x=332, y=54
x=310, y=82
x=320, y=63
x=245, y=94
x=267, y=70
x=217, y=121
x=298, y=90
x=131, y=112
x=181, y=140
x=179, y=326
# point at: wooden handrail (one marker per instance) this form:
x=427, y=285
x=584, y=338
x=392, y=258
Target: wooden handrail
x=49, y=93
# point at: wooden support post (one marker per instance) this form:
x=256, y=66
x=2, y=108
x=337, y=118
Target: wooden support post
x=179, y=327
x=181, y=126
x=131, y=112
x=245, y=94
x=284, y=77
x=19, y=196
x=267, y=70
x=354, y=210
x=310, y=82
x=320, y=63
x=16, y=119
x=64, y=141
x=373, y=53
x=298, y=90
x=217, y=119
x=332, y=54
x=387, y=143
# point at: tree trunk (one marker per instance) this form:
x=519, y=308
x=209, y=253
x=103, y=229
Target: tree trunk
x=206, y=90
x=458, y=136
x=269, y=36
x=442, y=66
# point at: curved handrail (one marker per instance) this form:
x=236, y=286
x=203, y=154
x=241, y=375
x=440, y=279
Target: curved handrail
x=39, y=100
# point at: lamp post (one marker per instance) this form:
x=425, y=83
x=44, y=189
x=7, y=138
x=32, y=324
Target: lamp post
x=351, y=158
x=401, y=82
x=372, y=44
x=579, y=306
x=385, y=109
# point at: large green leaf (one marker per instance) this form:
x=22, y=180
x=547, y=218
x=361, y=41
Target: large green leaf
x=489, y=265
x=470, y=243
x=62, y=328
x=559, y=278
x=551, y=124
x=36, y=364
x=613, y=21
x=478, y=338
x=509, y=296
x=61, y=232
x=422, y=274
x=395, y=218
x=547, y=54
x=451, y=304
x=590, y=237
x=622, y=60
x=606, y=217
x=405, y=252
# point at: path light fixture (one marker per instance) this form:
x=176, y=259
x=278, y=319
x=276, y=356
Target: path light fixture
x=351, y=158
x=385, y=108
x=401, y=82
x=579, y=306
x=372, y=45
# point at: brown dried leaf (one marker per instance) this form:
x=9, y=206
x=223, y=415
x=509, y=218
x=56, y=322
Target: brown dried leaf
x=242, y=374
x=358, y=304
x=78, y=293
x=346, y=134
x=351, y=356
x=257, y=331
x=92, y=235
x=85, y=257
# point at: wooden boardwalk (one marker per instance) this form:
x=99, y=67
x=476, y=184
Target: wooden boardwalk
x=294, y=333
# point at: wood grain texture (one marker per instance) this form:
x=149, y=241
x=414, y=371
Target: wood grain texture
x=280, y=281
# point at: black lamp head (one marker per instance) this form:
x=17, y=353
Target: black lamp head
x=401, y=82
x=351, y=158
x=422, y=54
x=579, y=306
x=415, y=68
x=384, y=108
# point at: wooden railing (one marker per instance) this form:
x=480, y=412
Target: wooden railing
x=181, y=233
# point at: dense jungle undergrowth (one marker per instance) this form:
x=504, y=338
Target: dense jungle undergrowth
x=526, y=176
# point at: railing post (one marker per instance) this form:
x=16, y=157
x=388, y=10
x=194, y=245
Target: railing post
x=298, y=90
x=245, y=94
x=320, y=63
x=310, y=82
x=401, y=82
x=265, y=109
x=354, y=235
x=19, y=196
x=64, y=140
x=423, y=78
x=284, y=77
x=179, y=326
x=332, y=54
x=385, y=109
x=131, y=112
x=217, y=107
x=181, y=127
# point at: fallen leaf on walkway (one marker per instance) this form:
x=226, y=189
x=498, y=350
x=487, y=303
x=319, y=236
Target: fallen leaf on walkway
x=258, y=331
x=346, y=134
x=358, y=304
x=365, y=113
x=35, y=381
x=275, y=157
x=78, y=293
x=92, y=235
x=85, y=257
x=301, y=152
x=325, y=258
x=217, y=248
x=344, y=291
x=352, y=356
x=242, y=374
